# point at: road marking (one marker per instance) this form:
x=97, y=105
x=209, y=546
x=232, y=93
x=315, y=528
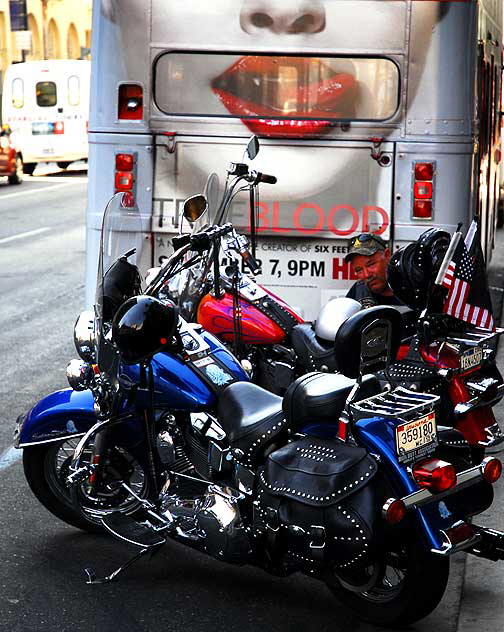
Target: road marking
x=30, y=233
x=32, y=191
x=9, y=457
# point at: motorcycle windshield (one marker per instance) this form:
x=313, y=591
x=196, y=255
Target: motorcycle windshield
x=122, y=239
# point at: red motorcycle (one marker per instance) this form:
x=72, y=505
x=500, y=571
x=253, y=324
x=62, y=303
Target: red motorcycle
x=228, y=303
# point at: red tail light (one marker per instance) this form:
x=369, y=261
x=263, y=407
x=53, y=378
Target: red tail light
x=435, y=475
x=130, y=106
x=59, y=127
x=492, y=469
x=124, y=162
x=394, y=510
x=424, y=171
x=423, y=189
x=125, y=175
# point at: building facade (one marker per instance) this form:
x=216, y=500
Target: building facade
x=58, y=29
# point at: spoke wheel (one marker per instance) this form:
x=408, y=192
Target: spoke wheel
x=46, y=469
x=410, y=585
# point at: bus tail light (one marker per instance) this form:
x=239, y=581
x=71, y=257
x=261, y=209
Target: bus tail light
x=423, y=189
x=130, y=106
x=124, y=177
x=59, y=127
x=435, y=475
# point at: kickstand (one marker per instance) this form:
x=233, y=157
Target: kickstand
x=91, y=575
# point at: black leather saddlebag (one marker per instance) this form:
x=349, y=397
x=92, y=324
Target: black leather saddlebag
x=316, y=507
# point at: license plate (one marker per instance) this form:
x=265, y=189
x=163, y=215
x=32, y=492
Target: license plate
x=416, y=438
x=471, y=358
x=42, y=127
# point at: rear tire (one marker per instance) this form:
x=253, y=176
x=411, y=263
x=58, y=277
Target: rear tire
x=29, y=168
x=412, y=585
x=63, y=165
x=17, y=176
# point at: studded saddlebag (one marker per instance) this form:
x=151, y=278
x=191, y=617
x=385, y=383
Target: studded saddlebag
x=316, y=507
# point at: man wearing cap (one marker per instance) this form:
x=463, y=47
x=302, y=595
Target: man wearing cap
x=369, y=255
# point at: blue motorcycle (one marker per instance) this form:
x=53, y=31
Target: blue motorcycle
x=162, y=436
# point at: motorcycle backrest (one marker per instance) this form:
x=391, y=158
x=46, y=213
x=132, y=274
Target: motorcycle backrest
x=368, y=341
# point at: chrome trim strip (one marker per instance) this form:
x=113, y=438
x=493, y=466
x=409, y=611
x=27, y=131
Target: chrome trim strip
x=61, y=438
x=464, y=479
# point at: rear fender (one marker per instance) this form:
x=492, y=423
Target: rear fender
x=62, y=414
x=377, y=434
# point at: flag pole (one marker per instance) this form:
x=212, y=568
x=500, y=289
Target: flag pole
x=457, y=236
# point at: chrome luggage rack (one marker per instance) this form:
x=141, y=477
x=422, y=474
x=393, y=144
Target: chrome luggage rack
x=400, y=402
x=474, y=336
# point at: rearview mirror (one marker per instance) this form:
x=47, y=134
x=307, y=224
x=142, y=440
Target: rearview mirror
x=194, y=207
x=252, y=147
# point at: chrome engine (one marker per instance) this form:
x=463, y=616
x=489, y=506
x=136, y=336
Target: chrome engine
x=205, y=515
x=211, y=523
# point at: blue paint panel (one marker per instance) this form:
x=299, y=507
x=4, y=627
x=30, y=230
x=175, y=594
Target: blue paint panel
x=377, y=434
x=59, y=414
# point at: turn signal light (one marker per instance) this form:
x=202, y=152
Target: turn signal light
x=435, y=475
x=492, y=469
x=394, y=510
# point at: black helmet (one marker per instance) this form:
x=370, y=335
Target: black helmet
x=142, y=326
x=411, y=270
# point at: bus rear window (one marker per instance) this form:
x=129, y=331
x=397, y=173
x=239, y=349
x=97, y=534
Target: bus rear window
x=73, y=90
x=17, y=93
x=277, y=87
x=46, y=94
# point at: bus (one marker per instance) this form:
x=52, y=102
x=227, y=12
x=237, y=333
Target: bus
x=46, y=105
x=375, y=115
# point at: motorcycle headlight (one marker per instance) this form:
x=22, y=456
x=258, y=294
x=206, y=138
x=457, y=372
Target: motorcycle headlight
x=79, y=375
x=84, y=336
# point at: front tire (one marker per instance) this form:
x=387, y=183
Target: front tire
x=47, y=466
x=411, y=586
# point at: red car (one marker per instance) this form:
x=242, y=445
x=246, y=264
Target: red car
x=11, y=163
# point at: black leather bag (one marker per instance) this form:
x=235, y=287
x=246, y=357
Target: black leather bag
x=316, y=505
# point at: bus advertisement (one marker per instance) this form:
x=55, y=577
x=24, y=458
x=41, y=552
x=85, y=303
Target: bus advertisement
x=374, y=115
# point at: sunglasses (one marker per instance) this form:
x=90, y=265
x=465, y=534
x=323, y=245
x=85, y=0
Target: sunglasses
x=365, y=237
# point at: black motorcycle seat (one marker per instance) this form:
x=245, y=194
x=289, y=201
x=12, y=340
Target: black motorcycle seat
x=314, y=353
x=252, y=419
x=321, y=397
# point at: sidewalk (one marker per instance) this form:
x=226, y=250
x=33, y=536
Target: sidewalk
x=482, y=597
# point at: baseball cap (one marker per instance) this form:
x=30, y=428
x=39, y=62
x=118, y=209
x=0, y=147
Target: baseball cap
x=365, y=244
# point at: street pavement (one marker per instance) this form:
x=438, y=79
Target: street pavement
x=482, y=602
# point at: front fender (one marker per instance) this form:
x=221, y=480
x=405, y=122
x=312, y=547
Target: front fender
x=65, y=413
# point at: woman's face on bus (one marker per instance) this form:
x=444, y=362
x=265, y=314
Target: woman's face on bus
x=266, y=26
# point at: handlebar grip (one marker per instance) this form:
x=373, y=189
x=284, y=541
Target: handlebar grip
x=180, y=240
x=203, y=240
x=253, y=264
x=267, y=179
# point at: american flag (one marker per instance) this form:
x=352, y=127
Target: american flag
x=465, y=278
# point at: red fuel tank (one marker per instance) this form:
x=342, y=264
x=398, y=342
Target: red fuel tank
x=216, y=316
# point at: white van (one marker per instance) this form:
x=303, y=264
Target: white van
x=46, y=105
